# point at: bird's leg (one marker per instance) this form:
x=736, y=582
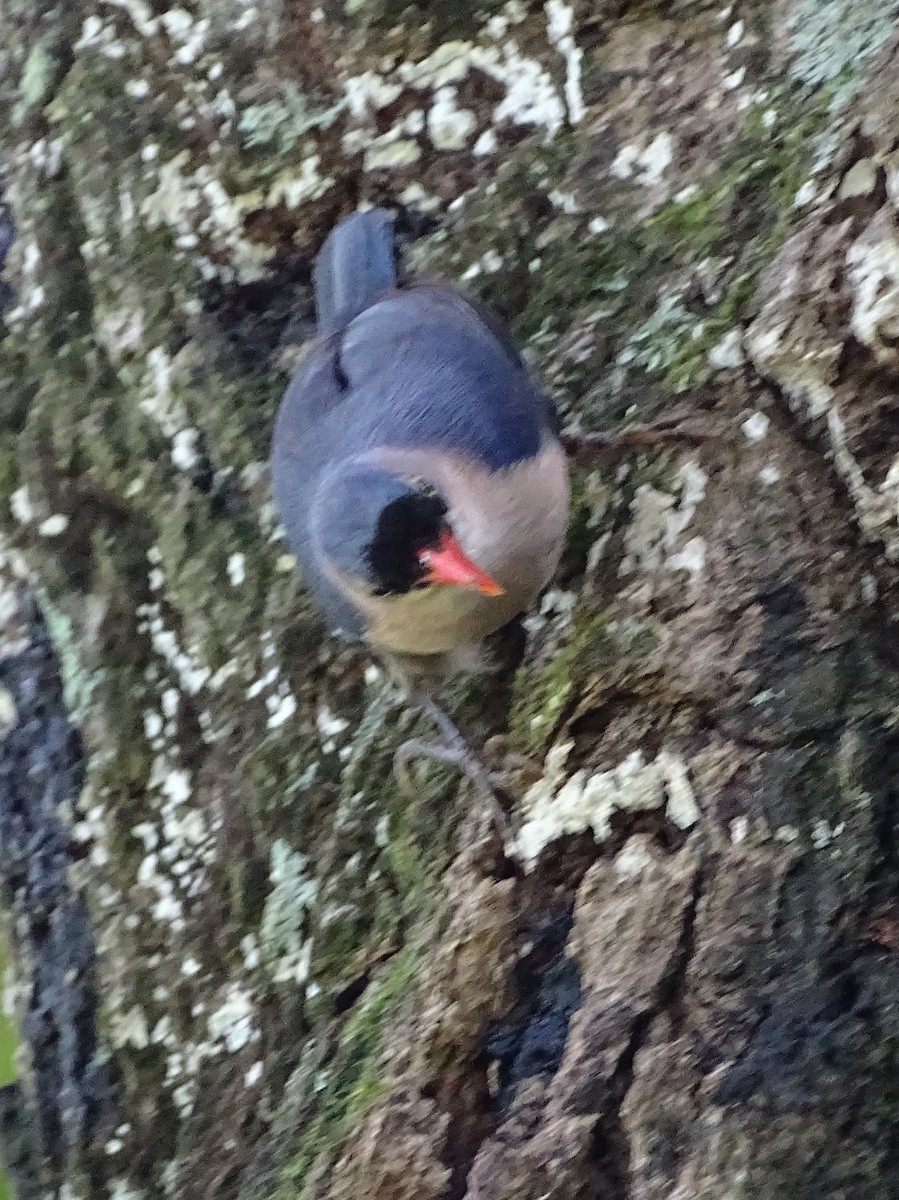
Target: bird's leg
x=454, y=750
x=683, y=428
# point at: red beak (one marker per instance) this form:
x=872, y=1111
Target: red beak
x=447, y=563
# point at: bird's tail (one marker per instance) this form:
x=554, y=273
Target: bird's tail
x=354, y=265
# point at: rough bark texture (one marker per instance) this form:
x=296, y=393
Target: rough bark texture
x=246, y=966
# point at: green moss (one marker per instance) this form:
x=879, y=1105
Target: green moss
x=741, y=215
x=598, y=653
x=581, y=533
x=660, y=292
x=689, y=366
x=352, y=1082
x=538, y=703
x=372, y=893
x=380, y=867
x=540, y=694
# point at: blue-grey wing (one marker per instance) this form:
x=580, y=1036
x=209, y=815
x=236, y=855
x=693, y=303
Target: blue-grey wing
x=425, y=368
x=302, y=446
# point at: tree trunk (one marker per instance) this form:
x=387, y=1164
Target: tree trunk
x=245, y=965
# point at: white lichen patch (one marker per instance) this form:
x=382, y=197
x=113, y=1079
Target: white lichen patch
x=877, y=507
x=648, y=162
x=560, y=31
x=196, y=204
x=735, y=33
x=230, y=1027
x=121, y=330
x=823, y=833
x=281, y=707
x=657, y=343
x=755, y=428
x=388, y=152
x=237, y=569
x=859, y=180
x=179, y=838
x=735, y=79
x=873, y=263
x=561, y=804
x=187, y=34
x=368, y=93
x=128, y=1027
x=25, y=262
x=99, y=37
x=90, y=829
x=9, y=714
x=488, y=264
x=449, y=127
x=232, y=1023
x=486, y=143
x=157, y=393
x=185, y=662
x=283, y=948
x=557, y=607
x=727, y=355
x=329, y=728
x=120, y=1189
x=185, y=449
x=633, y=859
x=448, y=63
x=681, y=809
x=530, y=97
x=787, y=834
x=654, y=538
x=805, y=194
x=268, y=680
x=298, y=186
x=802, y=357
x=739, y=830
x=21, y=505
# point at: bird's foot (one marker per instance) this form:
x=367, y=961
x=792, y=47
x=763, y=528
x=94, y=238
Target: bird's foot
x=687, y=428
x=465, y=760
x=455, y=751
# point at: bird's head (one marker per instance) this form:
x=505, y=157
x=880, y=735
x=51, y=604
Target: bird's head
x=390, y=535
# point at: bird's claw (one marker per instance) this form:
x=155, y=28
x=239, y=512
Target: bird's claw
x=457, y=756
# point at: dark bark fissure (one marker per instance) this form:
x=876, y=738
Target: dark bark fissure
x=41, y=772
x=610, y=1152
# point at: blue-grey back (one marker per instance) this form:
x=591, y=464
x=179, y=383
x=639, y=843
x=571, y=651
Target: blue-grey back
x=418, y=367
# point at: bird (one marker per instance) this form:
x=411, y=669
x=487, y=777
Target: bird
x=418, y=469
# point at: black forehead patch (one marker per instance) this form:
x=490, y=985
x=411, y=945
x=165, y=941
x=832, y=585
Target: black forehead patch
x=405, y=527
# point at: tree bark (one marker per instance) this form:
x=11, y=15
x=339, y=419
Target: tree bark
x=244, y=964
